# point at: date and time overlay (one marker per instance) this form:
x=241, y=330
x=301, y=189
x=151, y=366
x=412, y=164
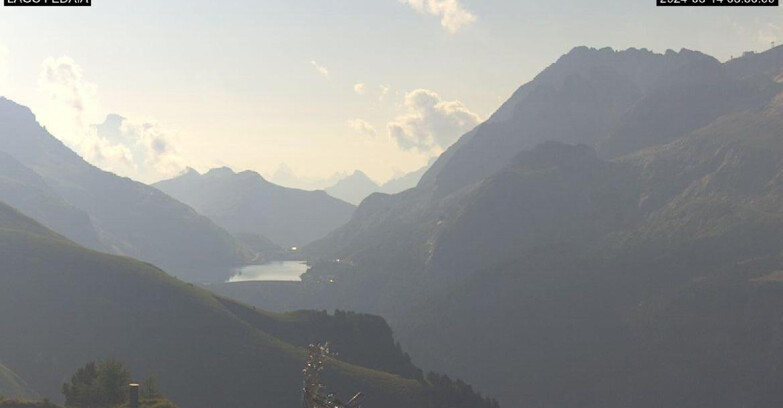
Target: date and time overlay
x=659, y=3
x=717, y=3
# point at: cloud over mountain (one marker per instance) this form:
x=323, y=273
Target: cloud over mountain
x=72, y=104
x=142, y=150
x=453, y=16
x=430, y=123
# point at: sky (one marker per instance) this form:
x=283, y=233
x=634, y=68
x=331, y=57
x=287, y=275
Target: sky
x=145, y=88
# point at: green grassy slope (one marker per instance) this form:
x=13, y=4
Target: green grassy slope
x=62, y=305
x=11, y=386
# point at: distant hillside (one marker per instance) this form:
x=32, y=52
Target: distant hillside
x=354, y=188
x=246, y=203
x=205, y=351
x=11, y=386
x=405, y=181
x=50, y=182
x=21, y=187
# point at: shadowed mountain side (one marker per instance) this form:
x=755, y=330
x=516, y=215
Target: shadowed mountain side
x=129, y=217
x=580, y=253
x=551, y=250
x=666, y=218
x=618, y=100
x=23, y=188
x=603, y=98
x=654, y=81
x=62, y=305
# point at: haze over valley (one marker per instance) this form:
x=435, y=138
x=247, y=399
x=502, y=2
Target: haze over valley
x=406, y=203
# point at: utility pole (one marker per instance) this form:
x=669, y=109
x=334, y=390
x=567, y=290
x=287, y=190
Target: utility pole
x=134, y=396
x=314, y=392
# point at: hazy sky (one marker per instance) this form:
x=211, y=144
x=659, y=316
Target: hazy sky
x=324, y=86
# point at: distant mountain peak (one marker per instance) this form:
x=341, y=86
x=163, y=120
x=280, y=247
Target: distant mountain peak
x=284, y=168
x=246, y=202
x=189, y=171
x=353, y=188
x=638, y=62
x=582, y=51
x=19, y=112
x=113, y=120
x=360, y=174
x=253, y=175
x=220, y=172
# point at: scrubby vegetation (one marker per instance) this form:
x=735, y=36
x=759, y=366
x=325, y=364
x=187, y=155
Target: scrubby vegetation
x=96, y=385
x=448, y=393
x=105, y=384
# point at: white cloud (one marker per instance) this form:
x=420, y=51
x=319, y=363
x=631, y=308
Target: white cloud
x=72, y=102
x=362, y=127
x=321, y=69
x=453, y=16
x=383, y=91
x=360, y=88
x=142, y=150
x=430, y=123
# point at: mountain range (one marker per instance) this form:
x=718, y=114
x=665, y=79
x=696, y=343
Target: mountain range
x=246, y=203
x=613, y=232
x=286, y=177
x=358, y=186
